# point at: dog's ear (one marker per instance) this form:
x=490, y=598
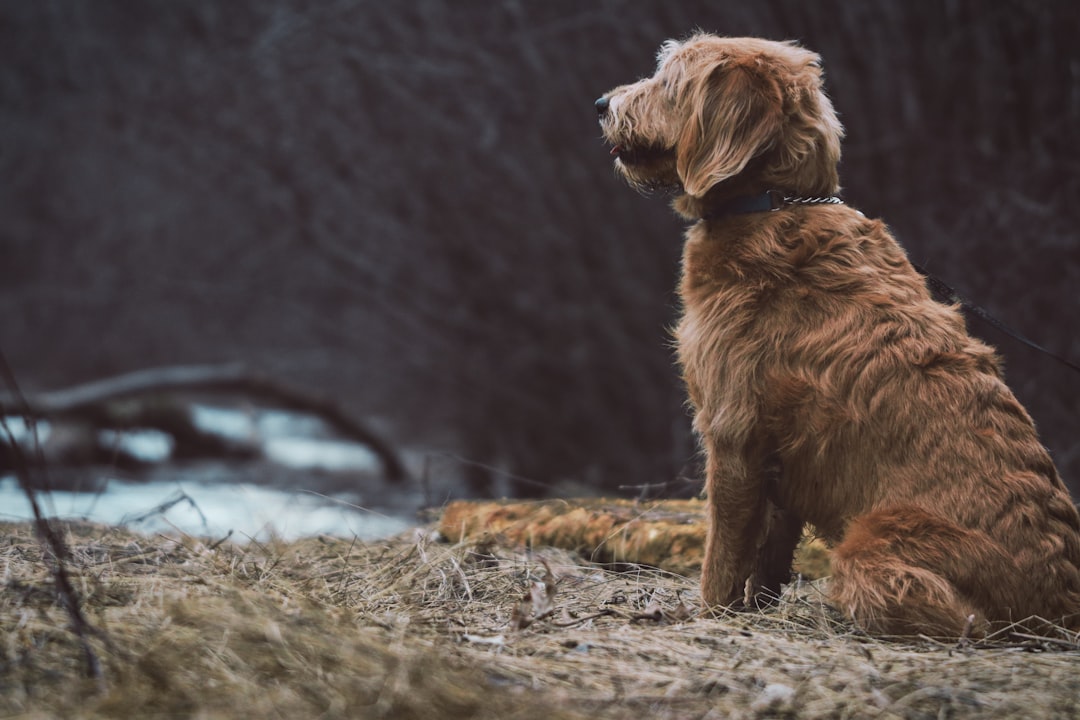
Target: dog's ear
x=734, y=114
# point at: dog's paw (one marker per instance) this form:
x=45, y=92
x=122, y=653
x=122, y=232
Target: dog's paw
x=758, y=597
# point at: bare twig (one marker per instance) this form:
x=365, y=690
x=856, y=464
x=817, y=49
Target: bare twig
x=163, y=507
x=606, y=612
x=217, y=543
x=1056, y=642
x=52, y=543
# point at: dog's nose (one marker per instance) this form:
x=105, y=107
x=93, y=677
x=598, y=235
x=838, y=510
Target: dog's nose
x=601, y=105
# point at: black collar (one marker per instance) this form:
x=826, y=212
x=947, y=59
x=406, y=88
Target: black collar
x=765, y=202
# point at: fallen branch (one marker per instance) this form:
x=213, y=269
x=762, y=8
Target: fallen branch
x=90, y=400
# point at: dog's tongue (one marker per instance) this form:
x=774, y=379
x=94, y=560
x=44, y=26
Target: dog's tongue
x=616, y=150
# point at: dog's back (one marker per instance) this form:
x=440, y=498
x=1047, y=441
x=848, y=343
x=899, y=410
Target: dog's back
x=897, y=436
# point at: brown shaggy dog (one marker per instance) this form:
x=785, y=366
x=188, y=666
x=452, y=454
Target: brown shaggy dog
x=829, y=387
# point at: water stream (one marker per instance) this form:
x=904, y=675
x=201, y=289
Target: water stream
x=306, y=482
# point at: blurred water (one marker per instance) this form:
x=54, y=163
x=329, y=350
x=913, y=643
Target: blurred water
x=207, y=509
x=147, y=445
x=254, y=500
x=22, y=433
x=297, y=441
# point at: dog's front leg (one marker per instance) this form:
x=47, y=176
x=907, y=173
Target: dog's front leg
x=774, y=557
x=735, y=490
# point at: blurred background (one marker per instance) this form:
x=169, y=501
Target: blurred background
x=406, y=207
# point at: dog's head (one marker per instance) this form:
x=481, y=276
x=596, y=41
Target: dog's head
x=751, y=113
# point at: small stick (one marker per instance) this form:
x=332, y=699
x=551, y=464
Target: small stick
x=214, y=545
x=965, y=636
x=578, y=621
x=1067, y=644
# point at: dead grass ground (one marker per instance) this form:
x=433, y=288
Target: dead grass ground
x=412, y=628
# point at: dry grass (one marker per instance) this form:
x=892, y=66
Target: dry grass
x=410, y=628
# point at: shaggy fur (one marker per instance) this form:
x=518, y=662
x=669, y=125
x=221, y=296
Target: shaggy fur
x=828, y=386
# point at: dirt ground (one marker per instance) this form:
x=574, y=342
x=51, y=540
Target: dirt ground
x=412, y=627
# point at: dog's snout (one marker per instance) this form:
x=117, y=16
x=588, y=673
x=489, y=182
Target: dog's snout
x=602, y=104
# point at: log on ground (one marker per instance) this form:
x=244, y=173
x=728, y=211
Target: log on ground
x=667, y=534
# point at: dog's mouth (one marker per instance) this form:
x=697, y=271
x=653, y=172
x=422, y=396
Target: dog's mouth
x=638, y=154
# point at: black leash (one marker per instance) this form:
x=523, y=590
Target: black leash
x=939, y=287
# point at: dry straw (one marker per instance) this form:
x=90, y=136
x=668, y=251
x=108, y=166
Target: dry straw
x=413, y=628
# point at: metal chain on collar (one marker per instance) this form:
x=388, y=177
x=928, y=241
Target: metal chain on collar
x=770, y=200
x=829, y=200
